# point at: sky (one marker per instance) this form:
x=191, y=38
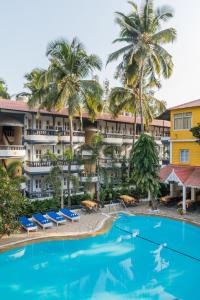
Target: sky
x=26, y=27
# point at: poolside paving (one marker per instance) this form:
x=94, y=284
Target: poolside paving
x=90, y=224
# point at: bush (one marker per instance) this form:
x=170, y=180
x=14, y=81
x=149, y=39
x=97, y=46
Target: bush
x=43, y=206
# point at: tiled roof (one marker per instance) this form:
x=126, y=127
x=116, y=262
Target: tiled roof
x=23, y=107
x=194, y=103
x=188, y=175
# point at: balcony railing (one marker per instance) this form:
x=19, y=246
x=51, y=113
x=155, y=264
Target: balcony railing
x=12, y=151
x=49, y=193
x=45, y=166
x=42, y=132
x=75, y=133
x=12, y=147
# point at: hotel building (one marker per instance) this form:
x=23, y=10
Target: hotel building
x=26, y=135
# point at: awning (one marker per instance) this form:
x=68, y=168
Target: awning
x=183, y=175
x=8, y=121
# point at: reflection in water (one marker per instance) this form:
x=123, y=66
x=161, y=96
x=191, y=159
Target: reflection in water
x=158, y=225
x=160, y=262
x=18, y=253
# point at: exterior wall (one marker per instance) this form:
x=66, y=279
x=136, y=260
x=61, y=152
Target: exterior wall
x=184, y=134
x=194, y=153
x=184, y=140
x=117, y=131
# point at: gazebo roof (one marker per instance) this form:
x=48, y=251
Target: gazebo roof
x=183, y=175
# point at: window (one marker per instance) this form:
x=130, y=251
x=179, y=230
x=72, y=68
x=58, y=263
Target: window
x=38, y=184
x=184, y=156
x=38, y=153
x=9, y=131
x=183, y=121
x=38, y=124
x=47, y=125
x=58, y=151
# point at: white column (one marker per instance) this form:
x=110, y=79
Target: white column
x=170, y=152
x=193, y=194
x=172, y=189
x=184, y=198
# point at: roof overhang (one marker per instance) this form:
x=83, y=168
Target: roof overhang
x=8, y=121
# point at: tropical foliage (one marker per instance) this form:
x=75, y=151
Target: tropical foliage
x=144, y=57
x=3, y=90
x=196, y=132
x=145, y=163
x=12, y=204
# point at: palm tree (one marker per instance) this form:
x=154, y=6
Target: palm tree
x=144, y=53
x=3, y=90
x=127, y=99
x=66, y=85
x=12, y=171
x=56, y=175
x=70, y=66
x=95, y=148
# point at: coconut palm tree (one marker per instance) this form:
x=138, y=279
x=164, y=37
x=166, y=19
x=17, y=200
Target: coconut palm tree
x=35, y=84
x=70, y=66
x=144, y=52
x=3, y=90
x=12, y=170
x=127, y=99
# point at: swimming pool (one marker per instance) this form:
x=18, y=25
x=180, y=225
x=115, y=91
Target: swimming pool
x=115, y=265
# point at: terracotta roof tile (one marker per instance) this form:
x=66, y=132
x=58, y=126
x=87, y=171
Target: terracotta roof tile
x=22, y=106
x=188, y=175
x=195, y=103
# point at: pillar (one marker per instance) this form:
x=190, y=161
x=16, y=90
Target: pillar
x=172, y=189
x=184, y=199
x=193, y=194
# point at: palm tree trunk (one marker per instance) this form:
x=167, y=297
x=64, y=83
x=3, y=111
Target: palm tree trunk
x=69, y=166
x=135, y=127
x=140, y=97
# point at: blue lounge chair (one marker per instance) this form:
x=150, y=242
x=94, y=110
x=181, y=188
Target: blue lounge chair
x=27, y=224
x=42, y=221
x=69, y=214
x=53, y=216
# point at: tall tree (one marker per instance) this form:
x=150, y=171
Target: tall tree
x=66, y=83
x=3, y=90
x=145, y=161
x=127, y=99
x=144, y=53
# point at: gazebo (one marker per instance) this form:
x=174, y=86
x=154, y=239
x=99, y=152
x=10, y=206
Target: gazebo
x=181, y=177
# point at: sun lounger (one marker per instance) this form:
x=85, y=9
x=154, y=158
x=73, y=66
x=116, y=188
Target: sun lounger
x=42, y=221
x=167, y=199
x=90, y=205
x=128, y=200
x=189, y=203
x=69, y=214
x=56, y=218
x=27, y=224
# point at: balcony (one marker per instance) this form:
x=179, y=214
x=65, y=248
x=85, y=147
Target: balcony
x=40, y=136
x=49, y=193
x=11, y=151
x=78, y=137
x=110, y=163
x=44, y=167
x=112, y=138
x=89, y=178
x=165, y=137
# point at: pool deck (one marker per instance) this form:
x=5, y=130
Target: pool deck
x=92, y=224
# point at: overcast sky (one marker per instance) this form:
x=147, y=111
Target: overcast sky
x=26, y=27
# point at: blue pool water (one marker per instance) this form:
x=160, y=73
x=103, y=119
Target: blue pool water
x=115, y=265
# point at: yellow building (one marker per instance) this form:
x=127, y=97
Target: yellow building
x=184, y=148
x=184, y=168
